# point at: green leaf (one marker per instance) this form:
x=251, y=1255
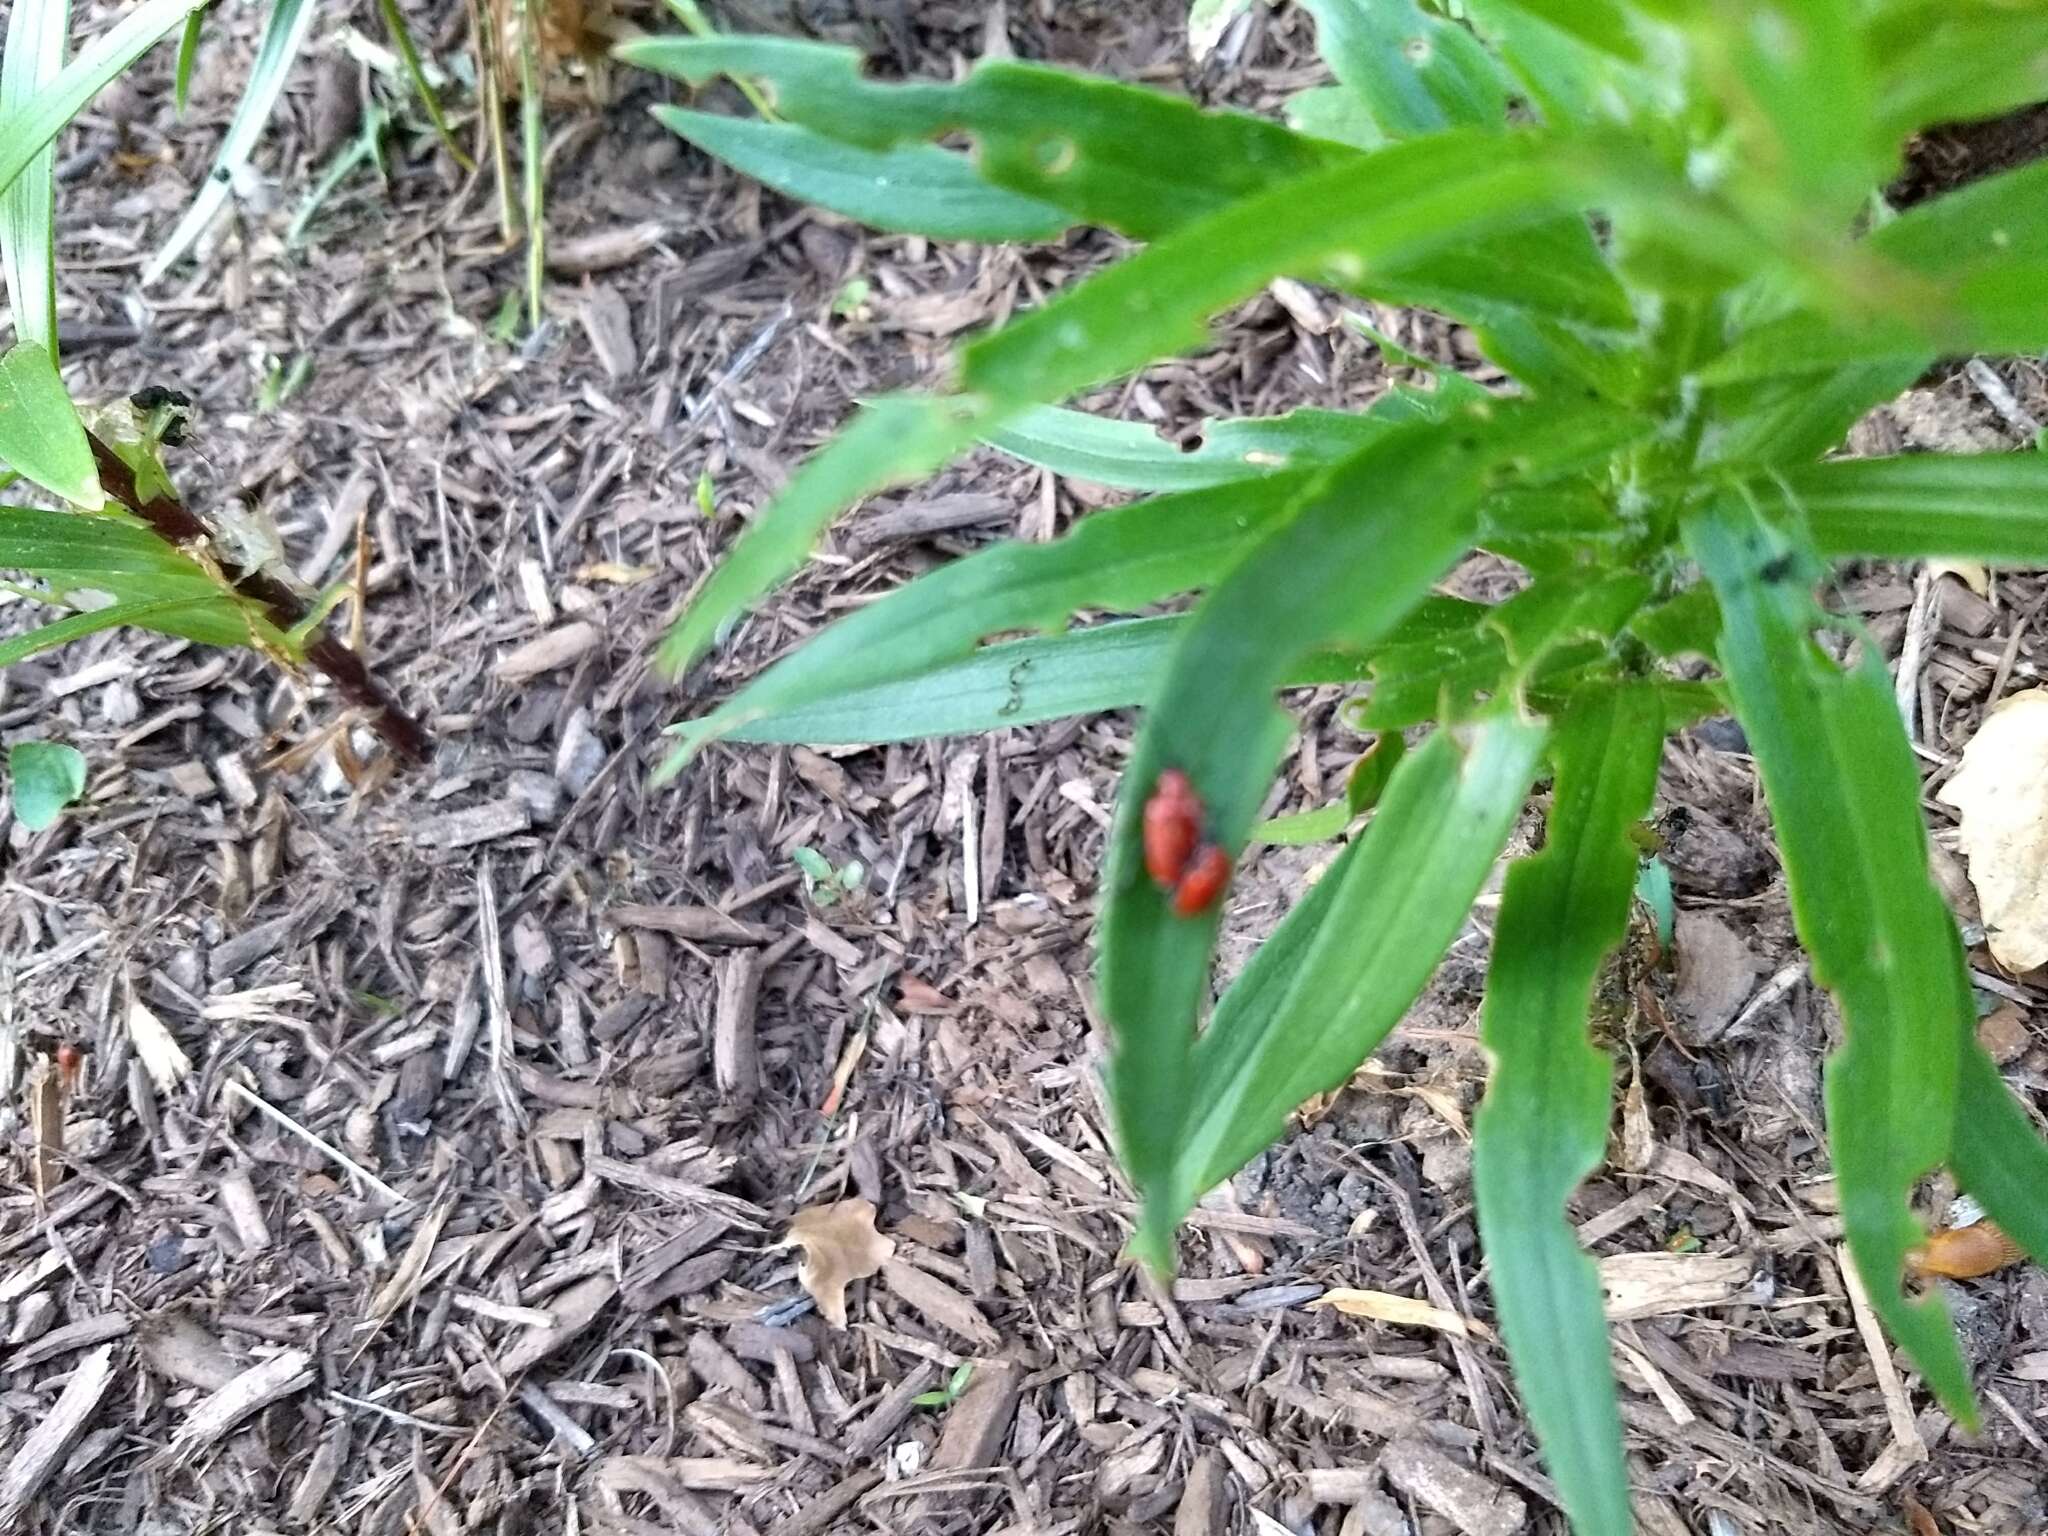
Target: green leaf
x=1543, y=1124
x=26, y=129
x=1980, y=506
x=915, y=188
x=1844, y=796
x=47, y=777
x=533, y=163
x=1131, y=456
x=1362, y=548
x=283, y=35
x=33, y=56
x=1999, y=1155
x=1793, y=79
x=1117, y=155
x=1959, y=66
x=1321, y=994
x=1574, y=60
x=1331, y=112
x=1020, y=682
x=215, y=620
x=889, y=442
x=188, y=54
x=1416, y=73
x=416, y=72
x=1119, y=559
x=40, y=433
x=1380, y=210
x=1363, y=787
x=73, y=550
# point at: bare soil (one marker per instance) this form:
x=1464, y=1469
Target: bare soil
x=507, y=1076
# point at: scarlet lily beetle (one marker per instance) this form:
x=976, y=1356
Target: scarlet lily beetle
x=1173, y=828
x=1206, y=876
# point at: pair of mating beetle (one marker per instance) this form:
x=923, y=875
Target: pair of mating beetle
x=1191, y=871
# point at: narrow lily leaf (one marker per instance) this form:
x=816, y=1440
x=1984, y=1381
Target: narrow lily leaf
x=283, y=36
x=1131, y=456
x=1796, y=85
x=1415, y=72
x=1119, y=559
x=1999, y=1156
x=1575, y=62
x=1117, y=155
x=1395, y=206
x=215, y=620
x=26, y=129
x=41, y=436
x=1019, y=682
x=1972, y=66
x=73, y=550
x=1331, y=112
x=1981, y=506
x=1543, y=1124
x=1321, y=994
x=1845, y=799
x=1795, y=420
x=888, y=443
x=1139, y=162
x=913, y=188
x=1363, y=548
x=33, y=56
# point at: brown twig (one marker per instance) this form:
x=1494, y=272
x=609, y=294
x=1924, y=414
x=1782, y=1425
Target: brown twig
x=176, y=524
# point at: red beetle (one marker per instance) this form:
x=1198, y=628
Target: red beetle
x=1173, y=828
x=1207, y=873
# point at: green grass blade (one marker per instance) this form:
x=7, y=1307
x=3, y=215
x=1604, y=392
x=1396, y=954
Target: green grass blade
x=1364, y=546
x=283, y=37
x=1321, y=994
x=1844, y=796
x=26, y=129
x=888, y=443
x=533, y=169
x=1999, y=1155
x=41, y=436
x=1416, y=73
x=215, y=620
x=911, y=188
x=416, y=72
x=188, y=55
x=33, y=56
x=1978, y=506
x=1543, y=1124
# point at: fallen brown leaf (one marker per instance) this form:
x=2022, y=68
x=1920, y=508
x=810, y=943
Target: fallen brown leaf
x=840, y=1245
x=2000, y=796
x=1406, y=1311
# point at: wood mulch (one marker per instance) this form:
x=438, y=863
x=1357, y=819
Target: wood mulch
x=431, y=1160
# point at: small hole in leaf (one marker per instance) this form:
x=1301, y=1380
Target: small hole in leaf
x=1056, y=155
x=1418, y=51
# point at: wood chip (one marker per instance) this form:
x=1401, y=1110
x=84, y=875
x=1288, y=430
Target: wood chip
x=1405, y=1311
x=43, y=1448
x=575, y=1310
x=475, y=824
x=1653, y=1284
x=735, y=1057
x=1470, y=1502
x=939, y=1302
x=1908, y=1447
x=702, y=925
x=550, y=652
x=275, y=1379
